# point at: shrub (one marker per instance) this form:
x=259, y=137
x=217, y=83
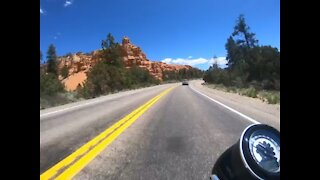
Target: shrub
x=251, y=92
x=50, y=85
x=64, y=72
x=272, y=99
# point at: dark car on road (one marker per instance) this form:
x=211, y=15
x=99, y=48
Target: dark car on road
x=185, y=82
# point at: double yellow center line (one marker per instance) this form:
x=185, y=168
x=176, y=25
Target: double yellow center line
x=71, y=165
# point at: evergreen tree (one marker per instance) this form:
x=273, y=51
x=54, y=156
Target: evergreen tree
x=52, y=60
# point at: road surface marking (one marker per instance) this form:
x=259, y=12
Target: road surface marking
x=73, y=107
x=233, y=110
x=68, y=108
x=71, y=165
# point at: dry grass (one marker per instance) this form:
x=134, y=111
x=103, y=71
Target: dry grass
x=58, y=99
x=271, y=97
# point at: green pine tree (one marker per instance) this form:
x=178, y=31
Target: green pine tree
x=52, y=60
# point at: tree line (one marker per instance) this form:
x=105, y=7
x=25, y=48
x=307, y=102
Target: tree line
x=249, y=64
x=182, y=74
x=50, y=85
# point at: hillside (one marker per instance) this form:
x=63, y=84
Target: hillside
x=78, y=64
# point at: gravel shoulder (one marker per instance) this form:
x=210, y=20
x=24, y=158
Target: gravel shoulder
x=252, y=107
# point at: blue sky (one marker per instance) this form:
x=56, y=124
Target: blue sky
x=173, y=31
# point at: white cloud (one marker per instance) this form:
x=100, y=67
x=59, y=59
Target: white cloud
x=167, y=60
x=68, y=3
x=57, y=35
x=220, y=61
x=190, y=62
x=193, y=62
x=41, y=11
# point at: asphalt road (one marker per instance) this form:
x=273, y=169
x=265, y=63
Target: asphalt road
x=178, y=137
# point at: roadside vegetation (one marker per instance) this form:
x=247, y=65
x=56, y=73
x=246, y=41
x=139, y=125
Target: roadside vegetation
x=189, y=74
x=252, y=70
x=51, y=89
x=269, y=96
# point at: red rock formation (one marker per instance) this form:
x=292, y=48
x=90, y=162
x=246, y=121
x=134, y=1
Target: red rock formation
x=134, y=56
x=80, y=63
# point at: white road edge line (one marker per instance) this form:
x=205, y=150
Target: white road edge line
x=97, y=101
x=41, y=115
x=233, y=110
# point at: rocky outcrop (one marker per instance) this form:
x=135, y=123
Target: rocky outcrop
x=79, y=63
x=133, y=55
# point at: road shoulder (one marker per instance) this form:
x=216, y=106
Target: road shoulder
x=252, y=107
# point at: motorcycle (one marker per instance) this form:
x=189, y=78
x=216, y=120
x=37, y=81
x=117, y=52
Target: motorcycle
x=256, y=155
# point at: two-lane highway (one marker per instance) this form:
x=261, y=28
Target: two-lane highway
x=178, y=135
x=66, y=128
